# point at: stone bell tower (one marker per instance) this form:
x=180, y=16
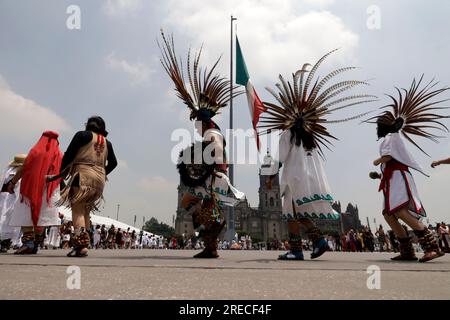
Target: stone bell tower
x=270, y=205
x=269, y=189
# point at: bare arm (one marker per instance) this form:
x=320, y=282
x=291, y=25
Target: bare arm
x=377, y=162
x=381, y=160
x=439, y=162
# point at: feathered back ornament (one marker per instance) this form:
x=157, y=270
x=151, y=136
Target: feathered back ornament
x=414, y=112
x=304, y=104
x=207, y=91
x=192, y=169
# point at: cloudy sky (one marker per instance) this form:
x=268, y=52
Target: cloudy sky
x=52, y=77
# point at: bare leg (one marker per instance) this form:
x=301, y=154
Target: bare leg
x=87, y=222
x=87, y=218
x=202, y=212
x=407, y=252
x=411, y=221
x=27, y=241
x=425, y=237
x=392, y=221
x=78, y=215
x=79, y=224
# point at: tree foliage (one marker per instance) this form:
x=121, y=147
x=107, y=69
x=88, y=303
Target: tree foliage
x=159, y=228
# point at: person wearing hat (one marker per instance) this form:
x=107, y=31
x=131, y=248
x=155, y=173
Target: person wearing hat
x=35, y=208
x=415, y=112
x=208, y=187
x=86, y=163
x=9, y=234
x=301, y=109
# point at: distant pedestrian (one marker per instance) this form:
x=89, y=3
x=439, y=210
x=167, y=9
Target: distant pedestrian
x=97, y=237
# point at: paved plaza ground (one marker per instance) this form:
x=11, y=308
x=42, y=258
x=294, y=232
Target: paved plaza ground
x=167, y=274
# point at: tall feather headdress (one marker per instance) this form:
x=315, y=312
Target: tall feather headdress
x=207, y=91
x=416, y=111
x=306, y=103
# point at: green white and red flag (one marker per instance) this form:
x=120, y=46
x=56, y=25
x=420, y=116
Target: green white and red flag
x=254, y=103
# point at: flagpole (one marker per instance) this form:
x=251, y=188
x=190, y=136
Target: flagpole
x=229, y=235
x=231, y=171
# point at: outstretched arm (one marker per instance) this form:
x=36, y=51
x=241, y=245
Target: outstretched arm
x=439, y=162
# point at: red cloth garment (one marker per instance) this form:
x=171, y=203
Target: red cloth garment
x=43, y=159
x=388, y=171
x=386, y=186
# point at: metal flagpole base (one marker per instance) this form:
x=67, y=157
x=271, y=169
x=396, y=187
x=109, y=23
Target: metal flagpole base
x=231, y=232
x=229, y=235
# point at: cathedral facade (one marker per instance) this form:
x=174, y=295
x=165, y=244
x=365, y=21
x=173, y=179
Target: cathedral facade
x=265, y=222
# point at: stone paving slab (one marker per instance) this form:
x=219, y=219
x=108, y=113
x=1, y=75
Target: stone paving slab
x=174, y=274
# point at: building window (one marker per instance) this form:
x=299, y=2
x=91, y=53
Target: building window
x=276, y=195
x=267, y=204
x=271, y=202
x=185, y=225
x=266, y=196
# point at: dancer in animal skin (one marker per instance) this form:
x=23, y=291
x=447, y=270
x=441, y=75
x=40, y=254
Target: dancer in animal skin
x=203, y=166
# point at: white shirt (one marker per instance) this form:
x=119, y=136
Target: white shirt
x=394, y=145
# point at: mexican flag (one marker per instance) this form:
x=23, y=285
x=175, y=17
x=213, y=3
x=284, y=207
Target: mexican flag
x=242, y=78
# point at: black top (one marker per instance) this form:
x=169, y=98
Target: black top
x=81, y=139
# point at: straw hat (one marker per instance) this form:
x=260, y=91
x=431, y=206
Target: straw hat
x=18, y=161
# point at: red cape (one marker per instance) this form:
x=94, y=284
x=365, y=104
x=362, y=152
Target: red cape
x=43, y=159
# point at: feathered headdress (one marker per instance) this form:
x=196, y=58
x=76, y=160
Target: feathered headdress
x=413, y=112
x=206, y=93
x=304, y=104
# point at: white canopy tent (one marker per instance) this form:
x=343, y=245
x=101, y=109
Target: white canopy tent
x=100, y=220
